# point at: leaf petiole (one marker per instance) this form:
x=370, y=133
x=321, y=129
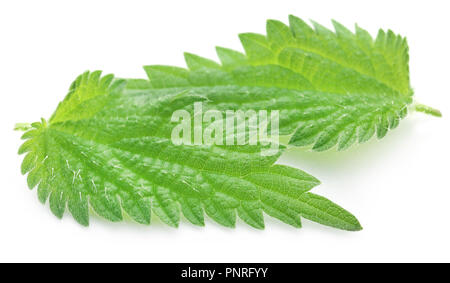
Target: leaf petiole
x=22, y=127
x=427, y=110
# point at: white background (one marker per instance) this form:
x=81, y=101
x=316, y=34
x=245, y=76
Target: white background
x=397, y=187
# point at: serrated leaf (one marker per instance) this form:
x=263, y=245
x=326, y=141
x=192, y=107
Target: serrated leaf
x=118, y=158
x=333, y=88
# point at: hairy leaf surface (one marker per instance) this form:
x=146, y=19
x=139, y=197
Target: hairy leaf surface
x=111, y=151
x=332, y=88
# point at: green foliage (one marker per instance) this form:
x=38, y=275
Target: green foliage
x=332, y=88
x=108, y=147
x=111, y=151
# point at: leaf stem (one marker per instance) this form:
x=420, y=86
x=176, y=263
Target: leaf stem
x=427, y=110
x=22, y=127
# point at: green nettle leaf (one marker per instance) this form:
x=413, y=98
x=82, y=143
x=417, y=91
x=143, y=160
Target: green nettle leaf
x=111, y=151
x=332, y=88
x=108, y=145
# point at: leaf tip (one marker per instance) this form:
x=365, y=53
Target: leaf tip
x=356, y=227
x=84, y=223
